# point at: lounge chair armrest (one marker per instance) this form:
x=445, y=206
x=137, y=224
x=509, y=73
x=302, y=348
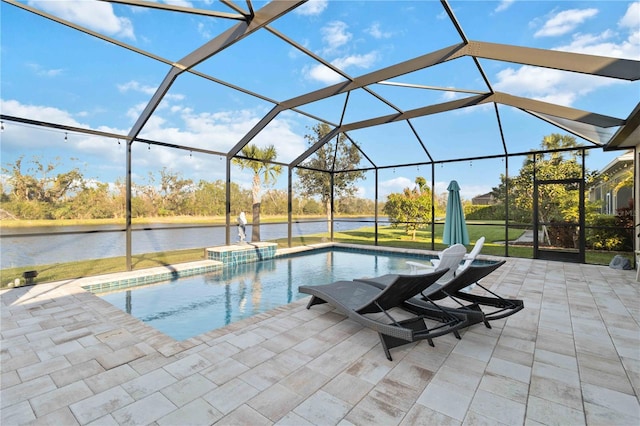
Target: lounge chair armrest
x=417, y=266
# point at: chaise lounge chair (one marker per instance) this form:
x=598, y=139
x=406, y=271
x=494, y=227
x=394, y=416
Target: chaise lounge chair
x=468, y=258
x=358, y=300
x=489, y=308
x=450, y=259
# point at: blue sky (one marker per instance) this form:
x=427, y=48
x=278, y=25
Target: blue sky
x=53, y=73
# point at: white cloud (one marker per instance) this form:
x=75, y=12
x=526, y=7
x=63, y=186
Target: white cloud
x=631, y=19
x=204, y=31
x=323, y=74
x=452, y=95
x=563, y=87
x=182, y=3
x=603, y=45
x=44, y=72
x=375, y=31
x=548, y=85
x=326, y=75
x=359, y=61
x=17, y=137
x=37, y=112
x=312, y=7
x=335, y=35
x=96, y=15
x=135, y=86
x=221, y=131
x=565, y=22
x=397, y=184
x=504, y=5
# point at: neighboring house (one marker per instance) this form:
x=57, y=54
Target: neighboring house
x=607, y=189
x=483, y=200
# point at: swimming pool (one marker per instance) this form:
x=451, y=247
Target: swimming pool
x=190, y=306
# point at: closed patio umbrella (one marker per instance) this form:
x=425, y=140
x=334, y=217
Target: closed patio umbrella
x=455, y=227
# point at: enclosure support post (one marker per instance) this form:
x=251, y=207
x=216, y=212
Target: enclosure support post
x=128, y=207
x=289, y=205
x=433, y=206
x=506, y=206
x=581, y=215
x=331, y=206
x=227, y=238
x=536, y=233
x=375, y=212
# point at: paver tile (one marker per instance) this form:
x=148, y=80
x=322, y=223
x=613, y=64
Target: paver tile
x=613, y=400
x=322, y=408
x=421, y=415
x=17, y=414
x=26, y=390
x=446, y=398
x=184, y=367
x=197, y=412
x=498, y=408
x=144, y=411
x=42, y=368
x=119, y=357
x=101, y=404
x=245, y=415
x=374, y=411
x=110, y=378
x=275, y=402
x=60, y=397
x=546, y=412
x=231, y=395
x=188, y=389
x=75, y=373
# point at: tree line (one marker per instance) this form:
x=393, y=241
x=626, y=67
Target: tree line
x=43, y=192
x=36, y=190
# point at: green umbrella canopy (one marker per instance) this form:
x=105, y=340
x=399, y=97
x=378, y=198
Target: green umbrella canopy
x=455, y=227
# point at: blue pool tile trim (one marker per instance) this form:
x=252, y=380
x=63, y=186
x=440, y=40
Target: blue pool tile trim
x=239, y=255
x=150, y=279
x=362, y=250
x=224, y=257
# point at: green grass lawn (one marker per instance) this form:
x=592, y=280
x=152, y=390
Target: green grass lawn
x=387, y=237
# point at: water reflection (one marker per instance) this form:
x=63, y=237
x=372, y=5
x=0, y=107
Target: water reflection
x=193, y=305
x=47, y=245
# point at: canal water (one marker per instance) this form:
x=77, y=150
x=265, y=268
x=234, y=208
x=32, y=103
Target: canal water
x=47, y=245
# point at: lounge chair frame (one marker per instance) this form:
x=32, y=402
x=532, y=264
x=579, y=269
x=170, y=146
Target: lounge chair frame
x=454, y=291
x=382, y=300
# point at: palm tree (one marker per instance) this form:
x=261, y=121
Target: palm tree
x=258, y=160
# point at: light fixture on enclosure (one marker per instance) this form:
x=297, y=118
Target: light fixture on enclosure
x=65, y=137
x=2, y=126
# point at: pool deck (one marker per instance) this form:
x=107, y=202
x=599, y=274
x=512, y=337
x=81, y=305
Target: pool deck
x=571, y=357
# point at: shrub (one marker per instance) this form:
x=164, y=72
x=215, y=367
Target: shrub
x=606, y=232
x=492, y=212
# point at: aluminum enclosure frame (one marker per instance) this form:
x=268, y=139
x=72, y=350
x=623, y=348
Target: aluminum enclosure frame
x=587, y=125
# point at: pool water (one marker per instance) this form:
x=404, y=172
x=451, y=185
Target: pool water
x=190, y=306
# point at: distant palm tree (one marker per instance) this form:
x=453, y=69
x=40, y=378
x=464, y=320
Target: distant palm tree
x=258, y=160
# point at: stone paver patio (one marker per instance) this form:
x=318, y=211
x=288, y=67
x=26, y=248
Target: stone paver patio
x=571, y=357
